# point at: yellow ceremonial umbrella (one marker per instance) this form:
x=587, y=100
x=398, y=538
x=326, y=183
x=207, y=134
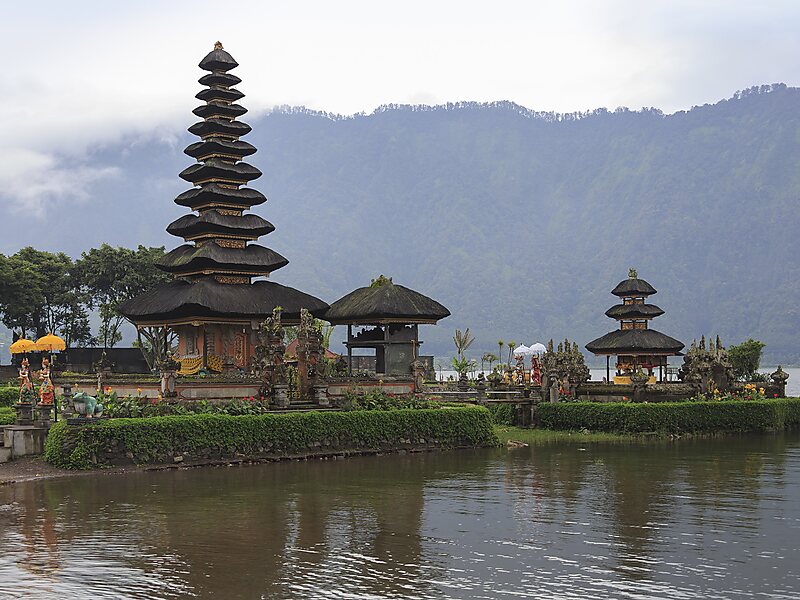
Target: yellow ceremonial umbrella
x=50, y=343
x=22, y=346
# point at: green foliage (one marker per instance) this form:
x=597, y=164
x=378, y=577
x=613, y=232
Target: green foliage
x=39, y=295
x=671, y=417
x=380, y=400
x=138, y=406
x=156, y=439
x=8, y=395
x=7, y=416
x=108, y=276
x=502, y=413
x=380, y=281
x=746, y=358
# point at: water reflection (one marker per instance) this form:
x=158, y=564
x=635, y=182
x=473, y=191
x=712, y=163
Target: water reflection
x=712, y=518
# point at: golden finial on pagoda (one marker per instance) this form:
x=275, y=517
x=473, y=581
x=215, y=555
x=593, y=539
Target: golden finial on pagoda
x=218, y=45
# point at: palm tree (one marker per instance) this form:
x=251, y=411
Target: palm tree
x=511, y=345
x=500, y=344
x=463, y=340
x=490, y=358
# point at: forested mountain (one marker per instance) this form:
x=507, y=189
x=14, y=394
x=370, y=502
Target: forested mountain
x=519, y=222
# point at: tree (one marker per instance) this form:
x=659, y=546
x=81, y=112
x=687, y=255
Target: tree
x=746, y=358
x=38, y=294
x=490, y=358
x=110, y=276
x=155, y=342
x=462, y=340
x=511, y=345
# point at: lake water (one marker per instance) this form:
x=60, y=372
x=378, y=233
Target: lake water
x=689, y=519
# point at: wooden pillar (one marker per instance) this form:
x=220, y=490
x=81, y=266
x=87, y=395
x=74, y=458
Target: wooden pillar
x=349, y=349
x=608, y=368
x=205, y=348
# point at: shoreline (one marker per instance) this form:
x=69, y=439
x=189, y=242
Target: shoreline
x=34, y=468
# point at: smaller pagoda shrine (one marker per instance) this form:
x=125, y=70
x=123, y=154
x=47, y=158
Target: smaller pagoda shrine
x=635, y=345
x=388, y=316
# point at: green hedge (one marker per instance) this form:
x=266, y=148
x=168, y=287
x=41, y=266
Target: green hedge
x=502, y=412
x=8, y=395
x=7, y=416
x=157, y=439
x=671, y=417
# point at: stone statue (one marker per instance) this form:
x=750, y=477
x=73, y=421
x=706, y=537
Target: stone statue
x=87, y=406
x=27, y=393
x=710, y=369
x=780, y=377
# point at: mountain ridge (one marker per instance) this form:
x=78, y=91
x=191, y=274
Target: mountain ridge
x=519, y=224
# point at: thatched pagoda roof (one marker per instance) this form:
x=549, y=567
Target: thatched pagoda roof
x=635, y=341
x=207, y=299
x=382, y=302
x=634, y=311
x=633, y=286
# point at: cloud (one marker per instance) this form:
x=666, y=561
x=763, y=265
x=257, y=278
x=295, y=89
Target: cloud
x=91, y=73
x=31, y=180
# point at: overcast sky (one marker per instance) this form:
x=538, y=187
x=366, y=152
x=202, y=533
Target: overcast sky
x=83, y=72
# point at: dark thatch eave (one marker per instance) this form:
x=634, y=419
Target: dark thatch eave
x=211, y=222
x=634, y=311
x=633, y=286
x=219, y=93
x=236, y=148
x=211, y=193
x=215, y=168
x=635, y=341
x=212, y=257
x=218, y=60
x=181, y=299
x=220, y=109
x=221, y=127
x=219, y=79
x=389, y=302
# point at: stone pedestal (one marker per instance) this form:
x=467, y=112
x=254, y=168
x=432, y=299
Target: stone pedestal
x=280, y=396
x=168, y=384
x=24, y=440
x=45, y=414
x=553, y=390
x=24, y=413
x=321, y=395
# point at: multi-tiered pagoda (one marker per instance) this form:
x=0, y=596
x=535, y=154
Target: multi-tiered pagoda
x=634, y=344
x=216, y=300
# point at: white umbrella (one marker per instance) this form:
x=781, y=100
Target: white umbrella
x=537, y=348
x=523, y=349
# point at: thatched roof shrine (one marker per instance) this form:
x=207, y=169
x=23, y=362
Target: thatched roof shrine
x=385, y=302
x=634, y=344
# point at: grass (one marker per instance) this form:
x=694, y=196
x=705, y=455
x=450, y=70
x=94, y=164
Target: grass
x=549, y=436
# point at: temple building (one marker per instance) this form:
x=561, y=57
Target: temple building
x=219, y=294
x=387, y=317
x=634, y=344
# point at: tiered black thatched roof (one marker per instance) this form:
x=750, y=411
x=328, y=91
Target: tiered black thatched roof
x=182, y=300
x=214, y=270
x=634, y=336
x=634, y=311
x=385, y=301
x=635, y=341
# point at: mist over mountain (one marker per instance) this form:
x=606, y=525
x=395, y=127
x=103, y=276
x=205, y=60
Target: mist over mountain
x=519, y=222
